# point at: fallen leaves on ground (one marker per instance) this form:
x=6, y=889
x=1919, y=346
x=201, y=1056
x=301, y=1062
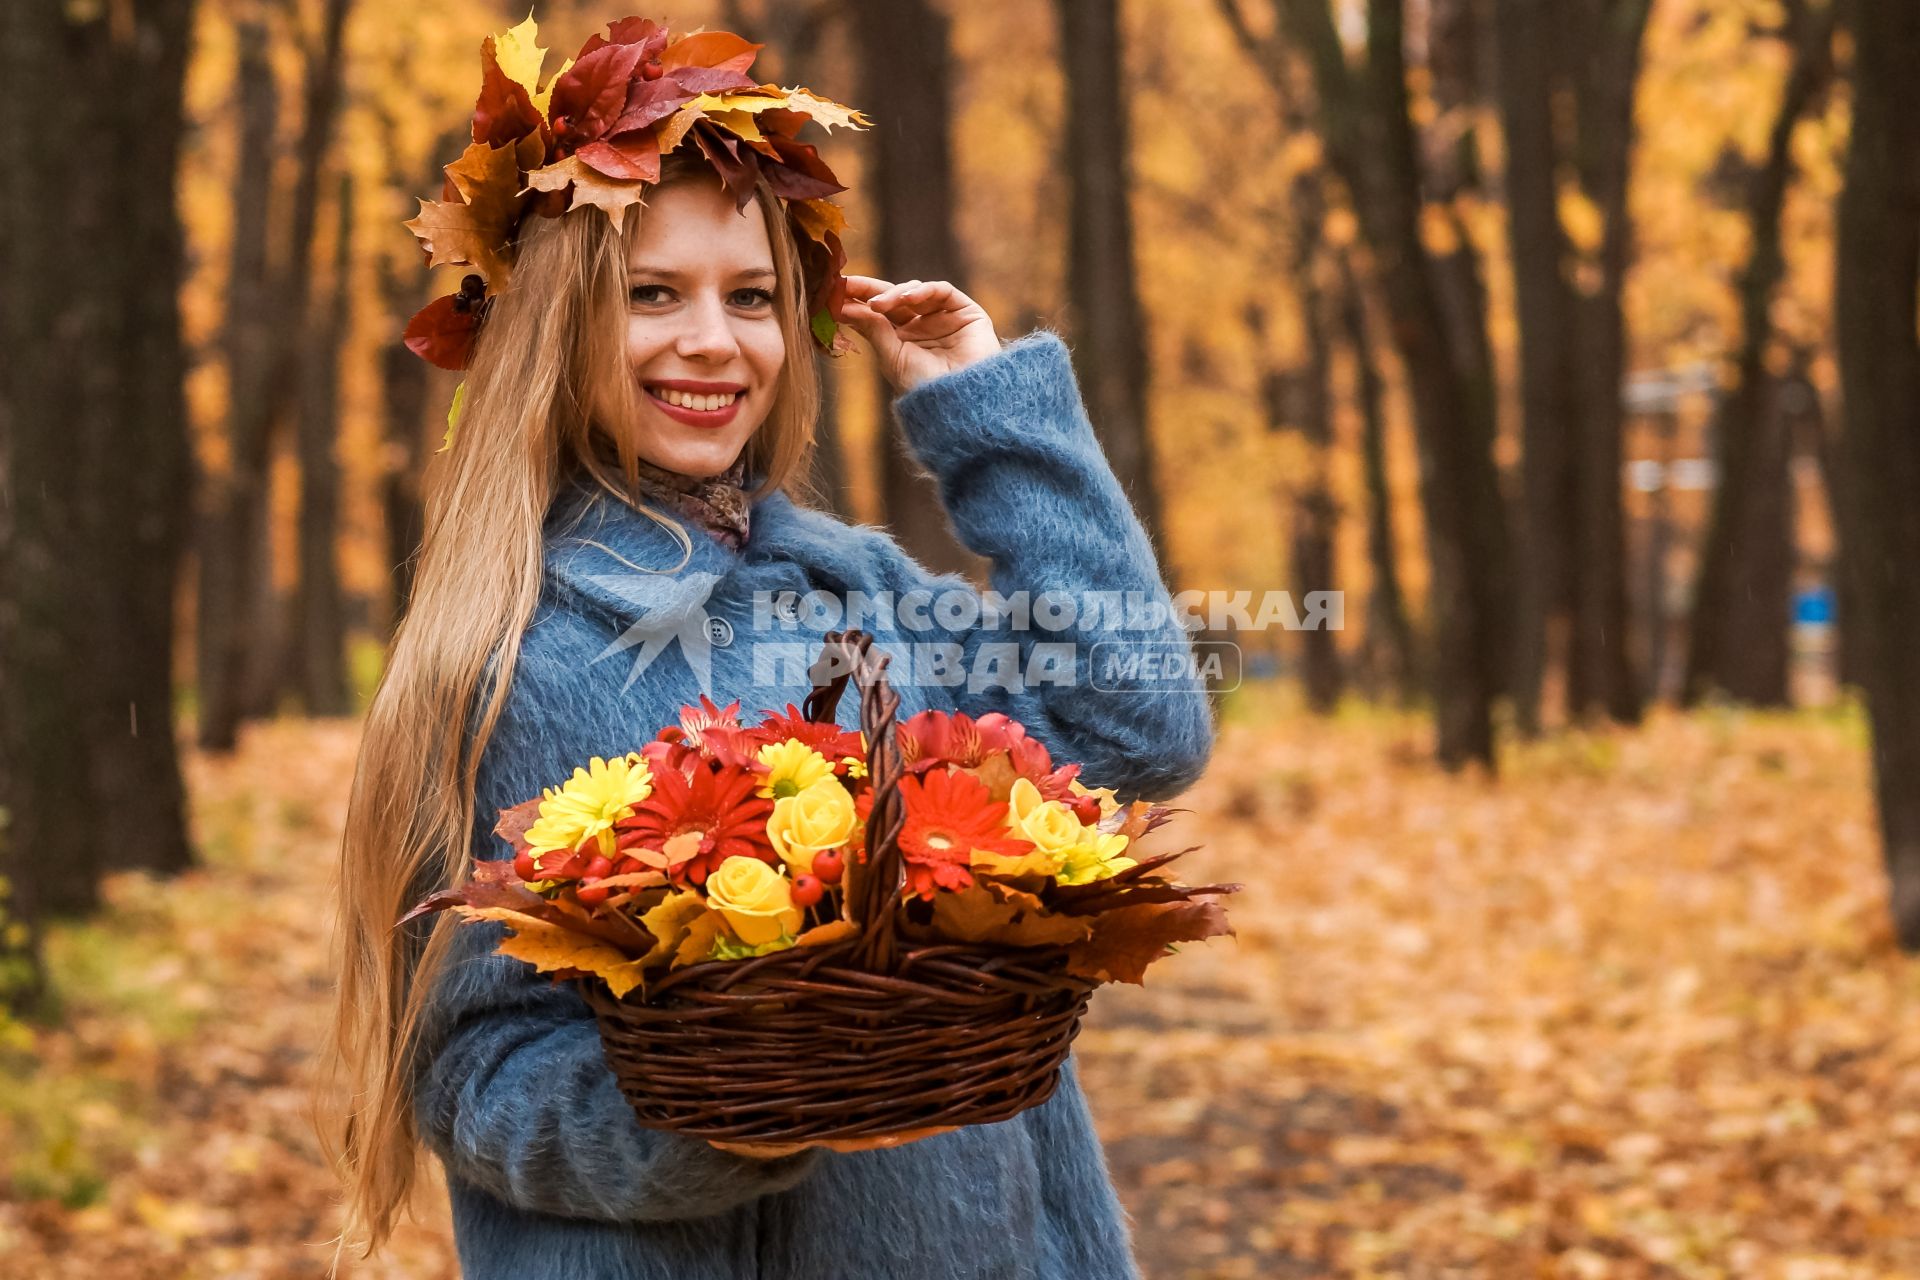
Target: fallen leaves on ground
x=1631, y=1010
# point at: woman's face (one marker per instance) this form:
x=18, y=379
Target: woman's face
x=703, y=338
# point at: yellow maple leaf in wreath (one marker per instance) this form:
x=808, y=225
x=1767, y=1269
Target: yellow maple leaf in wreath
x=541, y=98
x=518, y=54
x=742, y=124
x=825, y=111
x=676, y=126
x=748, y=100
x=548, y=946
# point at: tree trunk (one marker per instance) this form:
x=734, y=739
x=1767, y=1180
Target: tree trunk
x=270, y=667
x=1737, y=639
x=1103, y=296
x=906, y=72
x=233, y=515
x=51, y=337
x=95, y=420
x=1312, y=513
x=319, y=625
x=42, y=746
x=1877, y=295
x=144, y=490
x=1392, y=655
x=1526, y=54
x=1370, y=141
x=1604, y=60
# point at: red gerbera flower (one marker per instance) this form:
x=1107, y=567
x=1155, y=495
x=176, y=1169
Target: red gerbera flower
x=948, y=816
x=713, y=801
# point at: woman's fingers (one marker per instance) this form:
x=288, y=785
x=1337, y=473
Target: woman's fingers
x=867, y=322
x=865, y=287
x=909, y=298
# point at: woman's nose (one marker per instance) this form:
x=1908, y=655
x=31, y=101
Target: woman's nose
x=709, y=332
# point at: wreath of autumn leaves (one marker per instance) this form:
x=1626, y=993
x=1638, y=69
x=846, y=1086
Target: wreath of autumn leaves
x=595, y=136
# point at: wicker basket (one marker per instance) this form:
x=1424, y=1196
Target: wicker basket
x=867, y=1038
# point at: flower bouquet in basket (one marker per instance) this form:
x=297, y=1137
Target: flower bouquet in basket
x=792, y=933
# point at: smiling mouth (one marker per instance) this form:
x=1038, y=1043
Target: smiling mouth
x=695, y=403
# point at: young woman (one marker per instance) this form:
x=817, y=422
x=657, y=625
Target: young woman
x=602, y=542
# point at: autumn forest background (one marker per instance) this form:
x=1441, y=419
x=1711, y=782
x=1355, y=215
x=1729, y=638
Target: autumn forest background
x=1573, y=341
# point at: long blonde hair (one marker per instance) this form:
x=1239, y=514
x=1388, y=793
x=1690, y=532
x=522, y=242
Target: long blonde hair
x=549, y=366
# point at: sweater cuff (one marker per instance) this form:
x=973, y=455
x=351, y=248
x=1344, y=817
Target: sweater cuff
x=1027, y=388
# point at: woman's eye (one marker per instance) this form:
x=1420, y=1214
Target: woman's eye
x=742, y=297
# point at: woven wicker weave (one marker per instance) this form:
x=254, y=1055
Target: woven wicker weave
x=864, y=1038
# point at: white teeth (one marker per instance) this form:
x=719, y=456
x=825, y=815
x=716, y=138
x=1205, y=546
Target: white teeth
x=705, y=404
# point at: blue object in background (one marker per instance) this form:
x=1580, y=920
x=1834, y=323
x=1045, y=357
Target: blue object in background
x=1814, y=606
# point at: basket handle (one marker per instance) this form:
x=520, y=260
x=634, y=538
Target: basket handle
x=874, y=887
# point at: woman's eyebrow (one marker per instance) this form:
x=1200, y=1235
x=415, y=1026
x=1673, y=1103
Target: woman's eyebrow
x=668, y=273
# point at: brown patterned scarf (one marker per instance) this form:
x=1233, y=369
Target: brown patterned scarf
x=717, y=503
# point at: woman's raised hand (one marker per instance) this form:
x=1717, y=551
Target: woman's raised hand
x=919, y=329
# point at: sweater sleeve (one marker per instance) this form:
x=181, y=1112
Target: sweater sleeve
x=513, y=1090
x=1108, y=681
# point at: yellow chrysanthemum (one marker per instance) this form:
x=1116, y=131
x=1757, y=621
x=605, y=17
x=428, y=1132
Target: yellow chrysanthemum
x=856, y=767
x=792, y=767
x=1094, y=859
x=1064, y=847
x=589, y=803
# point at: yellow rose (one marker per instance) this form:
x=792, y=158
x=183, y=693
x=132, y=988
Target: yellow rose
x=819, y=818
x=755, y=899
x=1048, y=823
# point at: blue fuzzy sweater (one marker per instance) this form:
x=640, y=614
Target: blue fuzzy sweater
x=549, y=1176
